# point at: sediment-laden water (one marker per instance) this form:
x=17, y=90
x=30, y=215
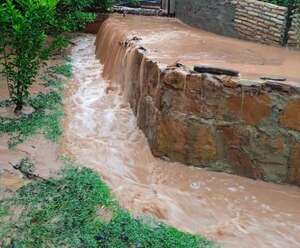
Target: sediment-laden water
x=101, y=133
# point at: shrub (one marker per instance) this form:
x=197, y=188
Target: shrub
x=23, y=27
x=70, y=15
x=286, y=3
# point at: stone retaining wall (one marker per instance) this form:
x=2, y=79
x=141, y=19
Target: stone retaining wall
x=294, y=33
x=246, y=127
x=260, y=21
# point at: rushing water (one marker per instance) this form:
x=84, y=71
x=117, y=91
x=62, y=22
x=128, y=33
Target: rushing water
x=168, y=40
x=101, y=133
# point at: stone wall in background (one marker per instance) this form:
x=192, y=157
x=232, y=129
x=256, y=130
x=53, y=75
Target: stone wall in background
x=214, y=15
x=247, y=19
x=260, y=21
x=294, y=32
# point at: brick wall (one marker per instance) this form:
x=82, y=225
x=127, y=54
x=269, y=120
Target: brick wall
x=260, y=21
x=247, y=19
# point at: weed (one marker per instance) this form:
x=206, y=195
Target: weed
x=46, y=118
x=26, y=167
x=3, y=211
x=62, y=212
x=65, y=70
x=6, y=103
x=54, y=84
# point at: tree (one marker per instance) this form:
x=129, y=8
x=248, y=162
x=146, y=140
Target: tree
x=23, y=27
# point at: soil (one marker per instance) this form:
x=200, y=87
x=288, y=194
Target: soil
x=44, y=153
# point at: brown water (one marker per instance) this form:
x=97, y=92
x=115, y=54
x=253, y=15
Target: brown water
x=168, y=40
x=101, y=133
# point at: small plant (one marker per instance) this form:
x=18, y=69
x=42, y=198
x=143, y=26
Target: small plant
x=23, y=28
x=5, y=103
x=65, y=70
x=46, y=119
x=56, y=84
x=26, y=167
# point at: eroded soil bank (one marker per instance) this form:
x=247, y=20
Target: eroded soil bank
x=101, y=132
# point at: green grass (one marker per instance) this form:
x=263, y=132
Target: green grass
x=53, y=83
x=5, y=103
x=47, y=115
x=63, y=212
x=45, y=119
x=65, y=70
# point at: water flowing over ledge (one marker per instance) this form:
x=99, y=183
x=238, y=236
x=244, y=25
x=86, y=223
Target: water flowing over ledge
x=101, y=132
x=246, y=126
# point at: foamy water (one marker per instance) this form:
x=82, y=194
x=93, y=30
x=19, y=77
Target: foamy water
x=101, y=133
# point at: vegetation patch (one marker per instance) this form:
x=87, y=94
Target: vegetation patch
x=45, y=120
x=65, y=70
x=5, y=103
x=48, y=111
x=64, y=212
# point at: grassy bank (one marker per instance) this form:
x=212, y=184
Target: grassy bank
x=76, y=209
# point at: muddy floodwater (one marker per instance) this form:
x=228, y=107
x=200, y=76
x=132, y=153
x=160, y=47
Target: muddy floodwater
x=168, y=41
x=101, y=133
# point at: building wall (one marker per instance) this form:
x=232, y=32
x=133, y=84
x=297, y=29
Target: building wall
x=211, y=15
x=247, y=19
x=165, y=4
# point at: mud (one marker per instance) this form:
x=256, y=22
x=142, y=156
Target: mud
x=43, y=153
x=101, y=133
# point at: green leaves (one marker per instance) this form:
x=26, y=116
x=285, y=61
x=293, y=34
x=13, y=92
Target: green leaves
x=284, y=2
x=24, y=24
x=46, y=119
x=65, y=70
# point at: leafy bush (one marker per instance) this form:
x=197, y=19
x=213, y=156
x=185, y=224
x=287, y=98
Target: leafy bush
x=103, y=5
x=286, y=3
x=70, y=15
x=23, y=27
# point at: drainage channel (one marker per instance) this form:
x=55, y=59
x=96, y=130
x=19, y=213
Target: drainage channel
x=101, y=133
